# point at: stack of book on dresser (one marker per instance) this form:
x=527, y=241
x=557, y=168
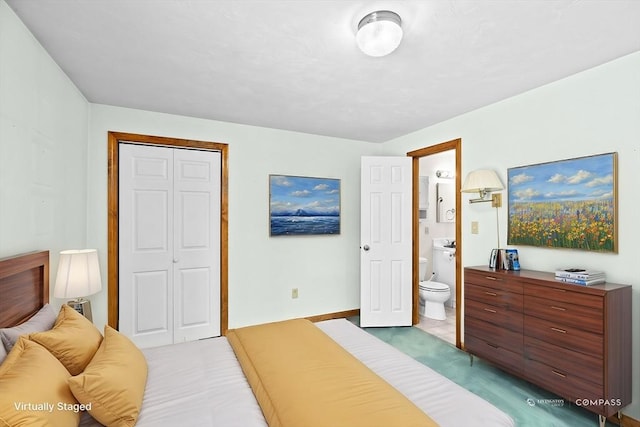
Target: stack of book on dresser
x=579, y=276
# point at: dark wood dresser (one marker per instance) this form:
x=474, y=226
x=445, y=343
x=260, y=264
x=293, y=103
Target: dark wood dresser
x=572, y=340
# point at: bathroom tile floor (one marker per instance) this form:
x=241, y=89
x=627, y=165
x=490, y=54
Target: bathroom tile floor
x=443, y=329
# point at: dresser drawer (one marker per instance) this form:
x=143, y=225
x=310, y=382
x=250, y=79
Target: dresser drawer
x=497, y=281
x=494, y=296
x=561, y=382
x=492, y=334
x=563, y=313
x=564, y=336
x=499, y=315
x=495, y=354
x=567, y=294
x=574, y=363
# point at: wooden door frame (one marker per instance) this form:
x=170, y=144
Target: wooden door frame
x=113, y=147
x=454, y=144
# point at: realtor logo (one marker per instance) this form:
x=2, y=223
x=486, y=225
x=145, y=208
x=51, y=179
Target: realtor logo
x=553, y=402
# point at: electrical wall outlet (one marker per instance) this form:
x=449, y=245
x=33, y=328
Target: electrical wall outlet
x=474, y=227
x=294, y=293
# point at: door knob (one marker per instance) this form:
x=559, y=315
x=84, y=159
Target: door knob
x=365, y=247
x=176, y=260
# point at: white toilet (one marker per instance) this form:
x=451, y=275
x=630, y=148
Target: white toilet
x=432, y=295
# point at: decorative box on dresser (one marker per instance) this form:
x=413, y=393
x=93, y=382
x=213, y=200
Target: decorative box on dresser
x=572, y=340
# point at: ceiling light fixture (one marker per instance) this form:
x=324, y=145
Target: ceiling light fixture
x=379, y=33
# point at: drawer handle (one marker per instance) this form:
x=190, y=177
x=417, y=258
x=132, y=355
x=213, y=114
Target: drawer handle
x=492, y=278
x=562, y=331
x=489, y=310
x=558, y=308
x=493, y=346
x=559, y=374
x=493, y=294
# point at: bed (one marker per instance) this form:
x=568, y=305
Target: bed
x=202, y=383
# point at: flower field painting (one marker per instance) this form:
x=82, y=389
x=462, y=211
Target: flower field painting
x=303, y=205
x=565, y=204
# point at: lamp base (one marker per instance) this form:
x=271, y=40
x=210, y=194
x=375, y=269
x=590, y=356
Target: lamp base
x=82, y=306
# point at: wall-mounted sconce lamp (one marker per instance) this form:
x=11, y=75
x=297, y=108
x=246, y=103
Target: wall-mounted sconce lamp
x=483, y=181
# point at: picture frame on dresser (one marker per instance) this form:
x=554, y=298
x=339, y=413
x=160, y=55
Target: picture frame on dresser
x=571, y=204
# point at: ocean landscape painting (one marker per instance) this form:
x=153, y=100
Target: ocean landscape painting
x=565, y=204
x=303, y=205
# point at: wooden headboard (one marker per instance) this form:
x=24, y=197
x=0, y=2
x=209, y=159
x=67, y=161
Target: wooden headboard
x=24, y=286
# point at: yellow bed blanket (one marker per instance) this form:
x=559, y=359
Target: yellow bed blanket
x=302, y=378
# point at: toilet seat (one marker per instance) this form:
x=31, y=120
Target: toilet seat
x=432, y=286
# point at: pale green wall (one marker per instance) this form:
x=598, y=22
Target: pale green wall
x=43, y=147
x=596, y=111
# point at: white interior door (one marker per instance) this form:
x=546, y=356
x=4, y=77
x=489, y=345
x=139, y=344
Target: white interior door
x=146, y=244
x=196, y=251
x=169, y=259
x=385, y=252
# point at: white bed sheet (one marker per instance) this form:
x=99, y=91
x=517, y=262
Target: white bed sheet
x=198, y=384
x=446, y=402
x=201, y=384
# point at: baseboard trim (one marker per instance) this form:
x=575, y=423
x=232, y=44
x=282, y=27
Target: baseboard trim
x=336, y=315
x=625, y=421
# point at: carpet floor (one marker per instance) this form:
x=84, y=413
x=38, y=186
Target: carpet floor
x=527, y=404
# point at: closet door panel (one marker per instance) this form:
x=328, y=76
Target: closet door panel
x=150, y=221
x=196, y=232
x=194, y=295
x=197, y=244
x=150, y=298
x=146, y=219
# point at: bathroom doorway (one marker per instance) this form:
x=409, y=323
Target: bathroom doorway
x=437, y=239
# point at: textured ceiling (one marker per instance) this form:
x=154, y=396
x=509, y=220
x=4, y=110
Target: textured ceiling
x=295, y=65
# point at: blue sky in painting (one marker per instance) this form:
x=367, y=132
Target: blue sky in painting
x=313, y=195
x=584, y=178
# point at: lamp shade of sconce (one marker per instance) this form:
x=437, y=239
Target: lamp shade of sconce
x=482, y=181
x=379, y=33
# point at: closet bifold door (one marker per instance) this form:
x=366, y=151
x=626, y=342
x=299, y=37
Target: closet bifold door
x=196, y=263
x=169, y=251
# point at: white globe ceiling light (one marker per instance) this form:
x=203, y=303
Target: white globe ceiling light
x=379, y=33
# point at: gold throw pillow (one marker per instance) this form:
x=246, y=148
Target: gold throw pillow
x=34, y=390
x=73, y=340
x=114, y=382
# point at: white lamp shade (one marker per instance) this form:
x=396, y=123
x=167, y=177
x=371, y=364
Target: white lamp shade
x=78, y=274
x=379, y=33
x=481, y=179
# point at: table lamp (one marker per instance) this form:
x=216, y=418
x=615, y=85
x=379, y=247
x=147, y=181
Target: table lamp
x=78, y=276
